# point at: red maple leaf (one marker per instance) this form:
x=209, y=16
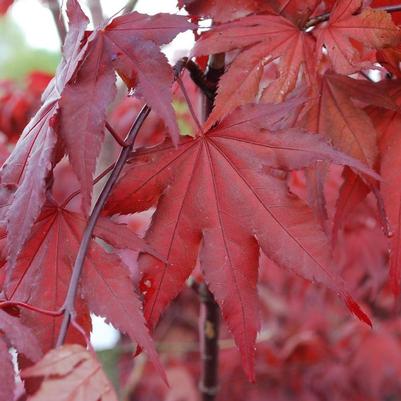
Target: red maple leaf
x=348, y=37
x=75, y=105
x=43, y=270
x=198, y=188
x=262, y=39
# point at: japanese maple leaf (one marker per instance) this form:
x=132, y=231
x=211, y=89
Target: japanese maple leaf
x=28, y=167
x=223, y=195
x=336, y=115
x=373, y=29
x=70, y=373
x=75, y=107
x=130, y=45
x=43, y=271
x=14, y=334
x=262, y=39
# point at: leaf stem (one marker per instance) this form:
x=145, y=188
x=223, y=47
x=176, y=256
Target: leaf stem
x=95, y=181
x=325, y=17
x=6, y=304
x=189, y=103
x=117, y=137
x=68, y=307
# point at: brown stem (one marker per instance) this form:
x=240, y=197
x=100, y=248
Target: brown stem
x=209, y=330
x=54, y=8
x=95, y=8
x=68, y=307
x=215, y=70
x=199, y=79
x=209, y=318
x=117, y=137
x=324, y=17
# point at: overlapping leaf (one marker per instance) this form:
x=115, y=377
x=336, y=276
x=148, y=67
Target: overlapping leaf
x=348, y=38
x=43, y=270
x=29, y=165
x=223, y=195
x=130, y=45
x=263, y=39
x=75, y=106
x=70, y=373
x=14, y=333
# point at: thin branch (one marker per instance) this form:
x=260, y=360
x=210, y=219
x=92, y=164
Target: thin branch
x=7, y=304
x=324, y=17
x=117, y=137
x=95, y=8
x=189, y=103
x=55, y=9
x=68, y=307
x=209, y=331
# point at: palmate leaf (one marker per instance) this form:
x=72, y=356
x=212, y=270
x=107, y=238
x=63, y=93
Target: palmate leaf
x=43, y=270
x=130, y=45
x=29, y=165
x=262, y=40
x=373, y=29
x=222, y=195
x=72, y=118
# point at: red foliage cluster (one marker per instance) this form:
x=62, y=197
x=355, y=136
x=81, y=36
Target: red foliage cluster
x=18, y=105
x=296, y=167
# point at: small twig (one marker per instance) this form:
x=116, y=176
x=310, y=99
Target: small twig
x=189, y=103
x=6, y=304
x=209, y=331
x=117, y=137
x=54, y=8
x=325, y=17
x=68, y=307
x=81, y=331
x=95, y=8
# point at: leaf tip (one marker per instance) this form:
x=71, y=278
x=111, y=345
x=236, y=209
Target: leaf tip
x=357, y=310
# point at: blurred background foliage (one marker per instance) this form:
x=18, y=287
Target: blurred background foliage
x=17, y=58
